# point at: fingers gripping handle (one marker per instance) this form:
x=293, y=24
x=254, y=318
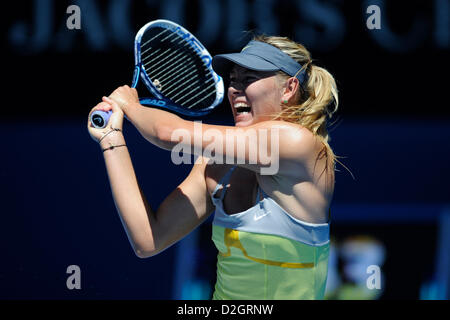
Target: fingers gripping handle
x=99, y=119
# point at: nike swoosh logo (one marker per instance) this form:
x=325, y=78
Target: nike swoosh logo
x=256, y=217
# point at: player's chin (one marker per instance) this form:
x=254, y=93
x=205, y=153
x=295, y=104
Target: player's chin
x=243, y=119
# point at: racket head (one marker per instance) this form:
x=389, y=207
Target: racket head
x=176, y=68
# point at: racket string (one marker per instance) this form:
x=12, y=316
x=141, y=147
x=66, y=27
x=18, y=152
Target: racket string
x=196, y=95
x=151, y=54
x=171, y=67
x=148, y=49
x=188, y=64
x=164, y=82
x=168, y=62
x=174, y=76
x=190, y=93
x=204, y=97
x=153, y=38
x=148, y=41
x=174, y=68
x=172, y=83
x=193, y=80
x=169, y=93
x=177, y=68
x=183, y=90
x=172, y=34
x=159, y=62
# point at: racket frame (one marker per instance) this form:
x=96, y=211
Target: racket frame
x=159, y=100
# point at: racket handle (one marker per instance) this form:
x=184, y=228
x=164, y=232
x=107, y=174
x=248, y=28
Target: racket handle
x=99, y=119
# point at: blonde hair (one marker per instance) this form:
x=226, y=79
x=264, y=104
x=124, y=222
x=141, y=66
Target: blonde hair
x=316, y=99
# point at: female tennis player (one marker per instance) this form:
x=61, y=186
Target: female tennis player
x=271, y=231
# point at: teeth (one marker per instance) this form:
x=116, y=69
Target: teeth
x=242, y=107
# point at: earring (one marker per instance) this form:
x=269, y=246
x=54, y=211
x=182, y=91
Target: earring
x=285, y=101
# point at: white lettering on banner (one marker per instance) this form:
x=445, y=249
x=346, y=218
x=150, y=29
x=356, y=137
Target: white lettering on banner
x=322, y=24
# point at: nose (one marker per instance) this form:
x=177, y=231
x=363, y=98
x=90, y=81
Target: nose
x=235, y=90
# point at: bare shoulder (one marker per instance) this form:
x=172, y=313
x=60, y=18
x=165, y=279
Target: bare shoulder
x=295, y=145
x=295, y=137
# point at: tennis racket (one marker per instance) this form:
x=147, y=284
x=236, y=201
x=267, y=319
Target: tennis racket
x=176, y=69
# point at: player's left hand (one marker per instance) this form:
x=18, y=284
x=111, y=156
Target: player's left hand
x=115, y=121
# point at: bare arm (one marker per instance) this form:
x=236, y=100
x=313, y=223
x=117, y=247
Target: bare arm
x=268, y=147
x=181, y=212
x=150, y=232
x=138, y=219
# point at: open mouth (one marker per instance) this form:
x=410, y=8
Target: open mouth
x=242, y=108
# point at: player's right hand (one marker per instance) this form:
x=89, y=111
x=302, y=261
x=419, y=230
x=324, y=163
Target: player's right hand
x=125, y=97
x=115, y=121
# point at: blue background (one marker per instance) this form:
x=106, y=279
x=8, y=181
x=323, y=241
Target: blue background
x=392, y=131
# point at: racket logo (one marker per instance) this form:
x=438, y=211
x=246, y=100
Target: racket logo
x=154, y=102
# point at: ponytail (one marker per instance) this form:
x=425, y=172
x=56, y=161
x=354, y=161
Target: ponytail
x=317, y=98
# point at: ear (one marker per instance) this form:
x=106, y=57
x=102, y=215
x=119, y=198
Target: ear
x=290, y=88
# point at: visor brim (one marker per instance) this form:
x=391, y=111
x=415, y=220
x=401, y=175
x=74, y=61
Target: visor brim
x=223, y=63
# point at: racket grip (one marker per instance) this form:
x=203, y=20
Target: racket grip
x=99, y=119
